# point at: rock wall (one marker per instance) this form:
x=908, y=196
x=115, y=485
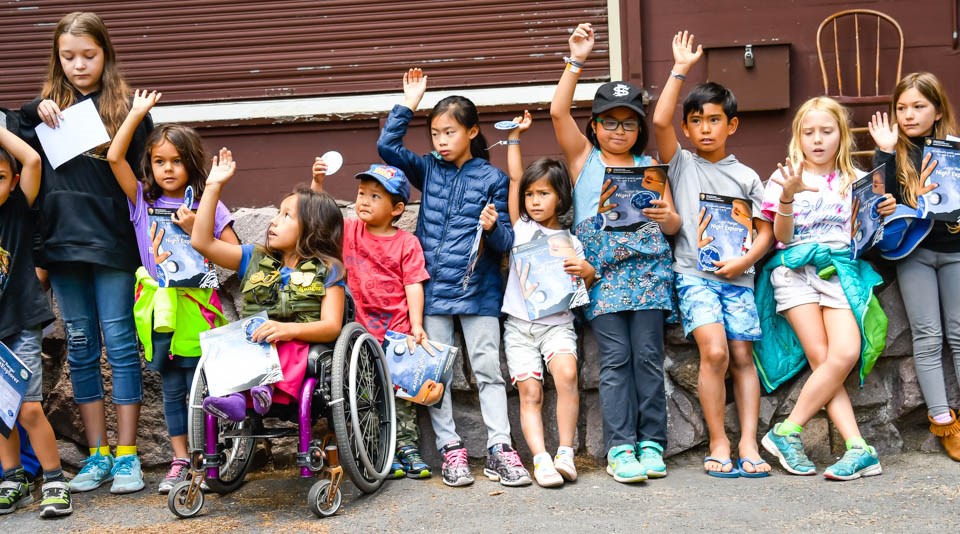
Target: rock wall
x=889, y=408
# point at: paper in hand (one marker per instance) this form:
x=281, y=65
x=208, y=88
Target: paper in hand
x=80, y=130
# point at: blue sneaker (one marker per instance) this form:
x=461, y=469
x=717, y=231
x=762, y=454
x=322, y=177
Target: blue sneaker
x=127, y=476
x=856, y=462
x=413, y=464
x=397, y=470
x=650, y=454
x=623, y=466
x=789, y=450
x=96, y=470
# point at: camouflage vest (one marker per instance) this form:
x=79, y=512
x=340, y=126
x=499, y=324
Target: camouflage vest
x=298, y=302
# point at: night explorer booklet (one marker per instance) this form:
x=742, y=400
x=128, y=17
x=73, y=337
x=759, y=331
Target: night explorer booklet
x=636, y=189
x=725, y=230
x=546, y=288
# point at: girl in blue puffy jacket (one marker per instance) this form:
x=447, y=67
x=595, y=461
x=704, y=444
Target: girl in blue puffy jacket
x=464, y=229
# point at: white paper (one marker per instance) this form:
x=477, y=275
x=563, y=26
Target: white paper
x=334, y=161
x=953, y=138
x=80, y=130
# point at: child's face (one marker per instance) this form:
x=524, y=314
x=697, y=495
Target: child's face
x=915, y=114
x=619, y=140
x=541, y=201
x=285, y=226
x=820, y=141
x=374, y=205
x=168, y=169
x=82, y=61
x=452, y=139
x=8, y=180
x=708, y=129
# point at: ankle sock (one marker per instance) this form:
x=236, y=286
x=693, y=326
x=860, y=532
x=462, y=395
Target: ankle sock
x=859, y=443
x=568, y=451
x=102, y=451
x=54, y=476
x=17, y=474
x=539, y=458
x=786, y=428
x=942, y=419
x=126, y=450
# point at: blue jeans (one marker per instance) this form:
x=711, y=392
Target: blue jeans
x=93, y=298
x=176, y=379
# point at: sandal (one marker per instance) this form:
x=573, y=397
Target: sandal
x=752, y=474
x=732, y=473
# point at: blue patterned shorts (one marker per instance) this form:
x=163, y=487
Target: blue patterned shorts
x=705, y=301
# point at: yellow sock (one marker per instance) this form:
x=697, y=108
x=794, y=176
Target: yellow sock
x=103, y=451
x=125, y=450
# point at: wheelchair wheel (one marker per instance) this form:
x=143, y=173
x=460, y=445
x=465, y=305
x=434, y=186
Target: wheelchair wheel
x=235, y=444
x=177, y=500
x=364, y=417
x=317, y=499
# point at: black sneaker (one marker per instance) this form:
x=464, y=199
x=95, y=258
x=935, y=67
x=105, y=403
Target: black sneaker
x=55, y=499
x=13, y=495
x=504, y=464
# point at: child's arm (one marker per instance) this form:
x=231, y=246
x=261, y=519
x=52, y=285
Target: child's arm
x=390, y=144
x=224, y=254
x=117, y=155
x=415, y=300
x=326, y=330
x=791, y=180
x=515, y=164
x=582, y=268
x=319, y=171
x=575, y=146
x=28, y=157
x=495, y=217
x=683, y=59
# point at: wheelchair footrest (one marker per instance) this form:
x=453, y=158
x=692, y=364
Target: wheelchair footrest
x=262, y=433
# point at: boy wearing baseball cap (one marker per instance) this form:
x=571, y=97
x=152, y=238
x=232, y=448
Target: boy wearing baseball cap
x=385, y=274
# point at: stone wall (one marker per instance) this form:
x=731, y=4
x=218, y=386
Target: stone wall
x=889, y=407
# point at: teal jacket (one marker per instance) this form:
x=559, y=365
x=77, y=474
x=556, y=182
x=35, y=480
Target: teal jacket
x=778, y=354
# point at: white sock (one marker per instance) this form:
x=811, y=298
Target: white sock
x=942, y=419
x=565, y=450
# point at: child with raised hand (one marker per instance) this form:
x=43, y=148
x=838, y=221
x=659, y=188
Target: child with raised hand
x=89, y=247
x=632, y=294
x=932, y=271
x=24, y=311
x=538, y=196
x=385, y=274
x=173, y=160
x=811, y=295
x=463, y=196
x=297, y=278
x=717, y=308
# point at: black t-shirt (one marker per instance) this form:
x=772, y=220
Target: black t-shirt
x=22, y=302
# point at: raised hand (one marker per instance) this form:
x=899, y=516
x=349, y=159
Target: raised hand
x=703, y=223
x=222, y=168
x=143, y=102
x=605, y=193
x=488, y=217
x=581, y=41
x=683, y=53
x=883, y=132
x=791, y=180
x=414, y=86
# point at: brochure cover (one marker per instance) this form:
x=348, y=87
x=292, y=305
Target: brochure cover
x=185, y=267
x=867, y=227
x=546, y=288
x=14, y=379
x=233, y=362
x=635, y=189
x=726, y=230
x=419, y=376
x=943, y=203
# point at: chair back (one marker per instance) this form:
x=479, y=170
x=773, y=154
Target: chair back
x=864, y=44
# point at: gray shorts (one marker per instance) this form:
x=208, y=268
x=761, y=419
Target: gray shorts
x=27, y=346
x=793, y=287
x=529, y=346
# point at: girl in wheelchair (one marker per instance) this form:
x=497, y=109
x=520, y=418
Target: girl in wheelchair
x=297, y=278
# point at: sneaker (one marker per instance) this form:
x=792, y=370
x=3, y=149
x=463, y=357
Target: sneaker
x=545, y=473
x=127, y=476
x=13, y=495
x=262, y=397
x=55, y=499
x=456, y=469
x=650, y=454
x=856, y=462
x=789, y=450
x=565, y=466
x=96, y=470
x=397, y=470
x=623, y=466
x=179, y=469
x=232, y=407
x=504, y=464
x=413, y=464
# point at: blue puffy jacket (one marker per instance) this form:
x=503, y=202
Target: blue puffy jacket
x=452, y=200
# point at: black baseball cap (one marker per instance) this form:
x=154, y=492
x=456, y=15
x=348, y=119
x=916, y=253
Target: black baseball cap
x=618, y=94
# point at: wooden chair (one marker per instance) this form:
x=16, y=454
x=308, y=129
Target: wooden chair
x=858, y=32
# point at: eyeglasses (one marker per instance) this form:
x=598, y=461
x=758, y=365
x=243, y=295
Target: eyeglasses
x=629, y=125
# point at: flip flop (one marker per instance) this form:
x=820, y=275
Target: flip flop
x=732, y=473
x=754, y=473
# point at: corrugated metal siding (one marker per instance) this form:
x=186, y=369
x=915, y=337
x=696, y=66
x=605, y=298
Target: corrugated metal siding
x=194, y=50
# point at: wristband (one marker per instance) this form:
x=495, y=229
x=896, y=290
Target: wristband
x=782, y=214
x=512, y=142
x=573, y=65
x=681, y=77
x=782, y=201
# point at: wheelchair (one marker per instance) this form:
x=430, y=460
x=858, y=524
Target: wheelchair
x=347, y=384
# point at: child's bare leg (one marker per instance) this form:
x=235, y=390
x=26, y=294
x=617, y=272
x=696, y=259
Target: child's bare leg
x=746, y=391
x=128, y=419
x=10, y=450
x=94, y=418
x=563, y=369
x=712, y=342
x=42, y=438
x=179, y=444
x=531, y=420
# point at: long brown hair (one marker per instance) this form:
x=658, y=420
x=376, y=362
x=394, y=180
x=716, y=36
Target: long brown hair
x=844, y=158
x=114, y=101
x=321, y=231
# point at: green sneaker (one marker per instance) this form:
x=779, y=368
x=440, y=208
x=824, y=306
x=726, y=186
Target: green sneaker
x=623, y=466
x=856, y=462
x=55, y=500
x=397, y=470
x=13, y=495
x=650, y=454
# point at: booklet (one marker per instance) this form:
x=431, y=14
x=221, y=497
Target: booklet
x=81, y=129
x=233, y=362
x=943, y=203
x=636, y=189
x=728, y=221
x=476, y=249
x=866, y=227
x=14, y=379
x=546, y=288
x=185, y=267
x=422, y=375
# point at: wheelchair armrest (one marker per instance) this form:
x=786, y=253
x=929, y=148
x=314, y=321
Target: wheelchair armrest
x=315, y=357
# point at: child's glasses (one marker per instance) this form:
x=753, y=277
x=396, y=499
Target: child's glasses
x=629, y=125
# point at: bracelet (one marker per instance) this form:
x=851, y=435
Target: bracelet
x=782, y=214
x=681, y=77
x=782, y=201
x=573, y=65
x=512, y=142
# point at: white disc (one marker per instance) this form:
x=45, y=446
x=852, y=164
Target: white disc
x=334, y=161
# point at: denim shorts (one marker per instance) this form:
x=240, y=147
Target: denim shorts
x=705, y=301
x=26, y=345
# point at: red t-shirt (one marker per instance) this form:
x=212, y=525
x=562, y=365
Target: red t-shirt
x=378, y=268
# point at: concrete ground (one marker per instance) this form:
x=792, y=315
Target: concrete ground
x=917, y=492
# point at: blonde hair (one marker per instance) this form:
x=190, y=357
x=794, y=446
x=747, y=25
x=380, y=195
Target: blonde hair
x=844, y=159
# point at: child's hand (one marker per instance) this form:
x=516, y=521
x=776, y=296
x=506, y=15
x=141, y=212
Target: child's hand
x=488, y=217
x=143, y=102
x=887, y=206
x=791, y=181
x=184, y=218
x=157, y=240
x=684, y=56
x=222, y=168
x=414, y=86
x=581, y=42
x=319, y=171
x=272, y=331
x=605, y=193
x=578, y=267
x=925, y=171
x=525, y=121
x=703, y=223
x=883, y=132
x=659, y=214
x=50, y=113
x=731, y=268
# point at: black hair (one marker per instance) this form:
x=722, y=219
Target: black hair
x=6, y=156
x=394, y=197
x=557, y=175
x=643, y=134
x=710, y=93
x=465, y=112
x=188, y=145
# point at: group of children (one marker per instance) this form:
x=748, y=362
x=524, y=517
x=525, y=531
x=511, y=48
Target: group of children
x=100, y=254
